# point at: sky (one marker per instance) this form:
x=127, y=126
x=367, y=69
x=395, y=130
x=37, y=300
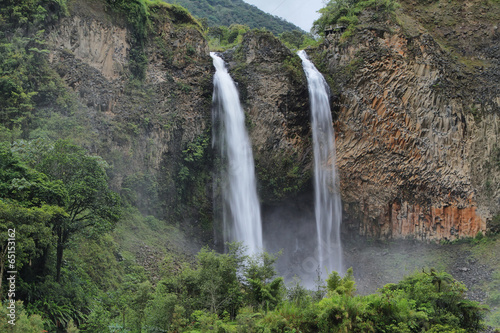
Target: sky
x=299, y=12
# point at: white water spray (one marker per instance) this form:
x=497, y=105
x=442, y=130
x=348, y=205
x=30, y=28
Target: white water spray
x=327, y=204
x=241, y=209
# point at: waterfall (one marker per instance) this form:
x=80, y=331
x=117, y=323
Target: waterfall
x=327, y=205
x=240, y=204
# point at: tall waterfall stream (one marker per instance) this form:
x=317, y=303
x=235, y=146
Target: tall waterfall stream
x=241, y=208
x=327, y=204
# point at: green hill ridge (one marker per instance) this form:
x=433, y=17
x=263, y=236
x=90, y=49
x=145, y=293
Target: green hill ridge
x=227, y=12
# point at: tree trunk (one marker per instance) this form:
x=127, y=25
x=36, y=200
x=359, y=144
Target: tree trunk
x=62, y=238
x=59, y=254
x=2, y=266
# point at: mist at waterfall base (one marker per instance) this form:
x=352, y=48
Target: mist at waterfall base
x=290, y=227
x=238, y=191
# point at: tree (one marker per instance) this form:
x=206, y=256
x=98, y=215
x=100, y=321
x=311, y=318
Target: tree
x=160, y=309
x=219, y=284
x=439, y=278
x=90, y=202
x=292, y=39
x=330, y=14
x=29, y=201
x=29, y=230
x=261, y=283
x=342, y=286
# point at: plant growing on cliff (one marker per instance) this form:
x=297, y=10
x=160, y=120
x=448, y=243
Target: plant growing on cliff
x=345, y=13
x=27, y=83
x=222, y=38
x=296, y=40
x=294, y=66
x=140, y=15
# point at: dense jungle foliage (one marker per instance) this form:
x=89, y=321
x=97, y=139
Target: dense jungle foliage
x=75, y=269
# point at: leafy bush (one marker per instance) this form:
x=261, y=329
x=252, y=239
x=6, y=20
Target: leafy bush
x=221, y=38
x=24, y=323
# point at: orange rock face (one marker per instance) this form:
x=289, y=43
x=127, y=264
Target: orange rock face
x=406, y=143
x=424, y=222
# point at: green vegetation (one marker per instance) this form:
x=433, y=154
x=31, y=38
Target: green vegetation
x=221, y=38
x=138, y=14
x=297, y=40
x=233, y=292
x=345, y=13
x=484, y=250
x=192, y=177
x=50, y=194
x=26, y=80
x=228, y=12
x=283, y=179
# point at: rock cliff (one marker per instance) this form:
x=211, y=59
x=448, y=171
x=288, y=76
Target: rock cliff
x=143, y=128
x=274, y=93
x=417, y=124
x=415, y=106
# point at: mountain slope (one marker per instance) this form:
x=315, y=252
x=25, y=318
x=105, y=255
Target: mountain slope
x=227, y=12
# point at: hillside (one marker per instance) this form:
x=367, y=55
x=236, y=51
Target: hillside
x=227, y=12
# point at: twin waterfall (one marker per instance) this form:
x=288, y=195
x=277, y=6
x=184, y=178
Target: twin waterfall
x=240, y=204
x=327, y=205
x=241, y=209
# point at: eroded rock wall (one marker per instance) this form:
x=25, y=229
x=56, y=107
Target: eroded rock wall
x=273, y=90
x=409, y=144
x=141, y=127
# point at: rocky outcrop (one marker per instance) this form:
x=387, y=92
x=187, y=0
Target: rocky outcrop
x=140, y=127
x=102, y=46
x=274, y=93
x=409, y=144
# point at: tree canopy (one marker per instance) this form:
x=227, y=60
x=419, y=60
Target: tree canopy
x=228, y=12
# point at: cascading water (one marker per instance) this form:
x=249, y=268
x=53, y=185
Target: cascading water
x=241, y=209
x=327, y=204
